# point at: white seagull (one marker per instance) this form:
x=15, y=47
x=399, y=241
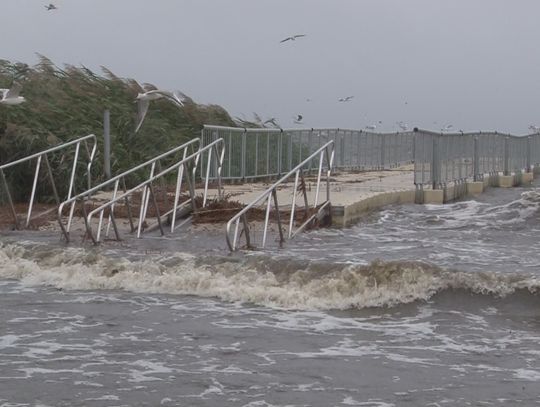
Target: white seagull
x=403, y=126
x=11, y=96
x=272, y=121
x=534, y=129
x=298, y=119
x=447, y=128
x=292, y=38
x=151, y=93
x=371, y=127
x=345, y=99
x=51, y=7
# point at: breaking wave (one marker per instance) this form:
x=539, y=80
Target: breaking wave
x=283, y=283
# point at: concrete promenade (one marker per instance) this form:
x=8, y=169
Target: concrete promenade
x=352, y=194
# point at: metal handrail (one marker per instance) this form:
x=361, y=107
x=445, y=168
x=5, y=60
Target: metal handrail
x=43, y=154
x=183, y=167
x=325, y=151
x=194, y=143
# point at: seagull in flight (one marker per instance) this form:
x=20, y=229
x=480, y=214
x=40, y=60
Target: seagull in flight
x=11, y=96
x=371, y=127
x=292, y=38
x=51, y=7
x=298, y=119
x=272, y=121
x=152, y=93
x=345, y=99
x=447, y=128
x=403, y=126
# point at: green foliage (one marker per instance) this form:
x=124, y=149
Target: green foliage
x=64, y=104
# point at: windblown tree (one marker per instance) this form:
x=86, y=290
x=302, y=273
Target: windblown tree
x=66, y=103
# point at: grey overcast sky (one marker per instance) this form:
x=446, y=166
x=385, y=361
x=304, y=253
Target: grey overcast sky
x=472, y=63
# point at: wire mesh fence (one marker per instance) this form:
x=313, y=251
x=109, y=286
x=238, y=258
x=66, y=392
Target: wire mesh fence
x=439, y=158
x=260, y=153
x=444, y=158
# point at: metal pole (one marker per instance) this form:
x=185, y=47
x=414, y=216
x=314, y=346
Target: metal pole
x=476, y=163
x=243, y=158
x=434, y=163
x=107, y=144
x=528, y=164
x=383, y=147
x=280, y=149
x=506, y=156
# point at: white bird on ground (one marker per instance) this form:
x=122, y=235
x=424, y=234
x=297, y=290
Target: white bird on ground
x=152, y=93
x=447, y=128
x=51, y=7
x=292, y=38
x=298, y=119
x=403, y=126
x=345, y=99
x=371, y=127
x=11, y=96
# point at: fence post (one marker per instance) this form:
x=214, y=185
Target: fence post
x=383, y=147
x=341, y=147
x=476, y=164
x=506, y=159
x=289, y=150
x=243, y=162
x=280, y=150
x=435, y=162
x=256, y=154
x=107, y=144
x=414, y=148
x=310, y=141
x=528, y=165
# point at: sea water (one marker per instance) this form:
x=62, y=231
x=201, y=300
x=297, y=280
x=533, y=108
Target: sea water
x=415, y=305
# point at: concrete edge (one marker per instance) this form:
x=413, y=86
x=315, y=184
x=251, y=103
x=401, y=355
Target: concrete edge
x=347, y=215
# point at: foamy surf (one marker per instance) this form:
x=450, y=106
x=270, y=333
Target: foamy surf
x=262, y=280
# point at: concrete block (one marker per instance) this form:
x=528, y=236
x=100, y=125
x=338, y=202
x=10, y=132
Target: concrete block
x=449, y=194
x=506, y=181
x=434, y=196
x=346, y=215
x=475, y=188
x=526, y=178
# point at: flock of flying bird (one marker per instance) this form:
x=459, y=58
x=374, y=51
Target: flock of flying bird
x=148, y=92
x=298, y=118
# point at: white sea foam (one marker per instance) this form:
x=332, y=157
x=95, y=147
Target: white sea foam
x=286, y=283
x=527, y=374
x=349, y=401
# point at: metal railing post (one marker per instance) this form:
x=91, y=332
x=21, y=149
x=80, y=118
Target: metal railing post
x=256, y=154
x=280, y=151
x=243, y=158
x=383, y=145
x=506, y=159
x=435, y=179
x=289, y=150
x=476, y=163
x=528, y=164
